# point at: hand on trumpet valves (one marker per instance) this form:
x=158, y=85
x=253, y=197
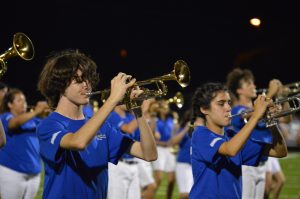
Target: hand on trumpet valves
x=41, y=107
x=135, y=92
x=119, y=86
x=260, y=105
x=274, y=88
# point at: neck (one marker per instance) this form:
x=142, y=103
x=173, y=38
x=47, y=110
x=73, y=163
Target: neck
x=120, y=111
x=245, y=101
x=215, y=128
x=67, y=108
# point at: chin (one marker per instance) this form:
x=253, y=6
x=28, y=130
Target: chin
x=226, y=123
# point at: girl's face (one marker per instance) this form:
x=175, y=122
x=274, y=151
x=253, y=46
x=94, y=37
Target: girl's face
x=18, y=105
x=76, y=91
x=218, y=112
x=247, y=89
x=164, y=107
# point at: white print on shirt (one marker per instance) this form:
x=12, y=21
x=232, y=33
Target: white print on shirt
x=8, y=117
x=214, y=141
x=120, y=124
x=100, y=136
x=54, y=137
x=191, y=150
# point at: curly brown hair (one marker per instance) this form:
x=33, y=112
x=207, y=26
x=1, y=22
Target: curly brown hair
x=59, y=71
x=235, y=77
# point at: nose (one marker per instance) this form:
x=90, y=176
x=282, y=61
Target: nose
x=227, y=107
x=85, y=84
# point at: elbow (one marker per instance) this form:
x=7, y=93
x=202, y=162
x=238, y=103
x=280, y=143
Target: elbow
x=151, y=157
x=79, y=145
x=282, y=154
x=232, y=153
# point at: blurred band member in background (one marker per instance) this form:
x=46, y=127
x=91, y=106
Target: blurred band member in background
x=145, y=171
x=166, y=160
x=241, y=83
x=184, y=174
x=123, y=177
x=3, y=91
x=20, y=162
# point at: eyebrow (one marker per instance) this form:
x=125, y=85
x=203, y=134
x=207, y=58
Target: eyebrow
x=223, y=101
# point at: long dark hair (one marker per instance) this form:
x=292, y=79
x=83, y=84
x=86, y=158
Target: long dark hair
x=202, y=99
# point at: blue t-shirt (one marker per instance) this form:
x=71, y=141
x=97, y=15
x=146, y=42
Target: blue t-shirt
x=259, y=134
x=165, y=128
x=21, y=152
x=88, y=111
x=117, y=121
x=78, y=174
x=216, y=175
x=183, y=154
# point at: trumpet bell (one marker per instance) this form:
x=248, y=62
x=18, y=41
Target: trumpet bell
x=22, y=47
x=182, y=73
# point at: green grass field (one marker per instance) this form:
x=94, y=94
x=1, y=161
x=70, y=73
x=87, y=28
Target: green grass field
x=290, y=166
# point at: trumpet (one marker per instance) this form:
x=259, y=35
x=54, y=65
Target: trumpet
x=178, y=100
x=289, y=89
x=181, y=74
x=271, y=119
x=22, y=47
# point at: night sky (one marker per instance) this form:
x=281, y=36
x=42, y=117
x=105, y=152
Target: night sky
x=212, y=38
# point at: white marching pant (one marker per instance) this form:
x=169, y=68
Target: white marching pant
x=15, y=185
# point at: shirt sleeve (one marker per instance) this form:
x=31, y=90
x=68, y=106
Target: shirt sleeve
x=205, y=146
x=118, y=142
x=115, y=120
x=252, y=153
x=5, y=120
x=50, y=133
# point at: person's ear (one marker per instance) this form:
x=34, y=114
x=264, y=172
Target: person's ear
x=203, y=110
x=9, y=104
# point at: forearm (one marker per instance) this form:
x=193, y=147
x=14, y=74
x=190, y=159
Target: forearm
x=19, y=120
x=2, y=135
x=278, y=148
x=234, y=145
x=81, y=138
x=148, y=145
x=130, y=127
x=176, y=139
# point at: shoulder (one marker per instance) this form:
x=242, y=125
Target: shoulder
x=238, y=108
x=6, y=116
x=53, y=120
x=202, y=132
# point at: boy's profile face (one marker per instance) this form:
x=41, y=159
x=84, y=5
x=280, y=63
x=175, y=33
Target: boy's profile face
x=247, y=88
x=77, y=91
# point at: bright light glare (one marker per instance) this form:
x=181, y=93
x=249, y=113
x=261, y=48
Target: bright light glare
x=255, y=22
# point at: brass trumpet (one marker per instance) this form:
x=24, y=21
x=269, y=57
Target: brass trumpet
x=181, y=74
x=271, y=119
x=178, y=100
x=289, y=89
x=22, y=47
